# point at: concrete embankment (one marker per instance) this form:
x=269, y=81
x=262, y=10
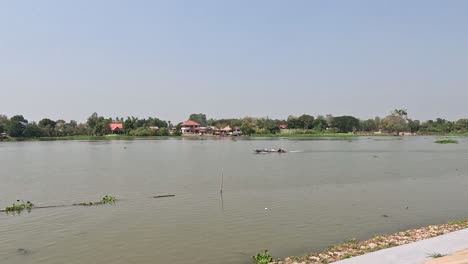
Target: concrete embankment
x=411, y=246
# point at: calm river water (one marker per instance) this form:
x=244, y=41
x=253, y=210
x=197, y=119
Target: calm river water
x=322, y=193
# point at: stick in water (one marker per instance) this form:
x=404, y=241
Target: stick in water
x=222, y=181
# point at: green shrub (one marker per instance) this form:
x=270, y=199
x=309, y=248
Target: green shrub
x=446, y=141
x=264, y=258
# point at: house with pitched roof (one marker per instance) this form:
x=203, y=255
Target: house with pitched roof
x=116, y=128
x=190, y=127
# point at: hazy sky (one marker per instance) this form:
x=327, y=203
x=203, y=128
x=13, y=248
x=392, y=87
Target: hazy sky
x=67, y=59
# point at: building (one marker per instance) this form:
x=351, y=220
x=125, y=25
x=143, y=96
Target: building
x=283, y=126
x=236, y=131
x=116, y=128
x=230, y=131
x=190, y=127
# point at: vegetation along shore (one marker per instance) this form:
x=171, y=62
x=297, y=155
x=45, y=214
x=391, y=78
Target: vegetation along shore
x=99, y=127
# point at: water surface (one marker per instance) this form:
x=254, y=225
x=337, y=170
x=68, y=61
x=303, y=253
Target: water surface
x=326, y=191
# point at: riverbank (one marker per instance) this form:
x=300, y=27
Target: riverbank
x=194, y=136
x=344, y=136
x=352, y=248
x=107, y=137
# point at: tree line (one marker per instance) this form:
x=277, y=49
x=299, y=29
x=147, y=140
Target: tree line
x=96, y=125
x=396, y=122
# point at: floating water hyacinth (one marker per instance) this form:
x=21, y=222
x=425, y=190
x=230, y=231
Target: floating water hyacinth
x=19, y=206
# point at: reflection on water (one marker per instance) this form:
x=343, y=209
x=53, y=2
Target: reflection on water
x=323, y=192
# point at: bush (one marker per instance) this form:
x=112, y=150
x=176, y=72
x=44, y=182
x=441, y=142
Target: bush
x=446, y=141
x=264, y=258
x=143, y=132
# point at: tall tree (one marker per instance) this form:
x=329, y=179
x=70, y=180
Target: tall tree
x=345, y=124
x=462, y=125
x=16, y=126
x=320, y=123
x=47, y=122
x=3, y=123
x=306, y=121
x=396, y=122
x=369, y=125
x=32, y=130
x=199, y=118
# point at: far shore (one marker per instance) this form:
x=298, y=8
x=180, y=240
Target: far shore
x=194, y=136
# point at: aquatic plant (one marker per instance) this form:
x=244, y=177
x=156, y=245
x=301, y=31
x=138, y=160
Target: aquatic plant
x=435, y=255
x=108, y=199
x=19, y=206
x=264, y=258
x=446, y=141
x=105, y=200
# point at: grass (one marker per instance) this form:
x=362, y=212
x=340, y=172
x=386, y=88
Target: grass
x=105, y=200
x=435, y=255
x=262, y=258
x=19, y=206
x=446, y=141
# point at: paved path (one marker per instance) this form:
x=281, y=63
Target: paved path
x=415, y=253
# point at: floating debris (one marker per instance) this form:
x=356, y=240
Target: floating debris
x=22, y=251
x=384, y=215
x=162, y=196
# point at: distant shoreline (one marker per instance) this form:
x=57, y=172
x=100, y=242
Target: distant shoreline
x=194, y=137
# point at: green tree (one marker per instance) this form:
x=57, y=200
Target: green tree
x=345, y=124
x=293, y=122
x=199, y=118
x=248, y=126
x=414, y=125
x=16, y=126
x=369, y=125
x=267, y=125
x=32, y=130
x=461, y=125
x=98, y=125
x=396, y=122
x=47, y=122
x=306, y=121
x=3, y=123
x=320, y=123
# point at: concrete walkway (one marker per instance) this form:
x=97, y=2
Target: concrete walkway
x=417, y=252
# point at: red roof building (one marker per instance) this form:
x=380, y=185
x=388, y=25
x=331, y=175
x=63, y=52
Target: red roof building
x=190, y=123
x=283, y=126
x=190, y=127
x=116, y=128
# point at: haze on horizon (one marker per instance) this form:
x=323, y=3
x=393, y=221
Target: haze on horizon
x=168, y=59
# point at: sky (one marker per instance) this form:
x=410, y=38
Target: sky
x=66, y=59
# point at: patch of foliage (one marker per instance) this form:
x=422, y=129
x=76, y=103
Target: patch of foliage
x=446, y=141
x=19, y=206
x=435, y=255
x=264, y=258
x=105, y=200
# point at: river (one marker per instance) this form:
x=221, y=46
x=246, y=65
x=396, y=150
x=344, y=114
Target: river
x=323, y=192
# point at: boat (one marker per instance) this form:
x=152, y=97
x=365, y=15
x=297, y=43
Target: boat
x=279, y=150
